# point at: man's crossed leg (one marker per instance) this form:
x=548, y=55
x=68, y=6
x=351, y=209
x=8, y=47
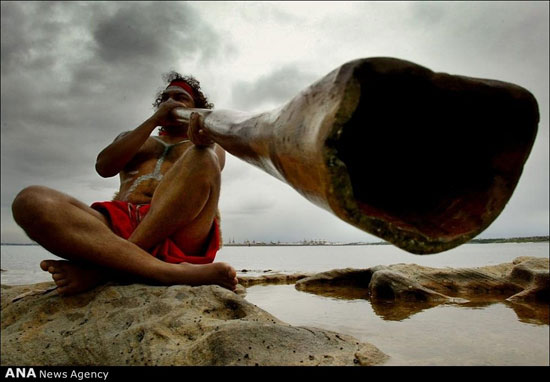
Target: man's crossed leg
x=185, y=202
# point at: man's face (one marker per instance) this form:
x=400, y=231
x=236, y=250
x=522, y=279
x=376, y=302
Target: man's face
x=179, y=95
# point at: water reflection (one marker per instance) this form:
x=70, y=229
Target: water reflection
x=534, y=313
x=392, y=310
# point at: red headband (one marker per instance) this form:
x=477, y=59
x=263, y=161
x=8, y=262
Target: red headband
x=184, y=85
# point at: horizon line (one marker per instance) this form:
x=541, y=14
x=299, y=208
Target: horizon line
x=248, y=242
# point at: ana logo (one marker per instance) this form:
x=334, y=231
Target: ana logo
x=20, y=372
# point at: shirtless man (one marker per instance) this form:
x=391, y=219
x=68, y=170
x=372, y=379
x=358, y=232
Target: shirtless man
x=162, y=226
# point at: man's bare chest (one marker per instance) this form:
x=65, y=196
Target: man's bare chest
x=154, y=150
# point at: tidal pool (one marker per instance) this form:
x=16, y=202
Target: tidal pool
x=476, y=333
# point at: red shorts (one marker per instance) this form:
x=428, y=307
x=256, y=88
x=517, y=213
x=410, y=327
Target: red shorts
x=124, y=217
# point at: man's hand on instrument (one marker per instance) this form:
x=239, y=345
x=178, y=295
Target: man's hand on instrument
x=196, y=131
x=164, y=115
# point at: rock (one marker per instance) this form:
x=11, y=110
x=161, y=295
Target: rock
x=155, y=325
x=533, y=275
x=277, y=279
x=397, y=291
x=357, y=278
x=345, y=283
x=391, y=285
x=461, y=282
x=240, y=290
x=525, y=279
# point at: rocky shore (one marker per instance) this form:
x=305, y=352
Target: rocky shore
x=138, y=324
x=155, y=325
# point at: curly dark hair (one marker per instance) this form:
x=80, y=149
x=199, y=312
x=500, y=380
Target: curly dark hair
x=200, y=99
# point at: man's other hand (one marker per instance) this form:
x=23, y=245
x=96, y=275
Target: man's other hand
x=196, y=131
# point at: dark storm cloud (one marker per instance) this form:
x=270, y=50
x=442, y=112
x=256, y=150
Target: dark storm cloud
x=16, y=42
x=58, y=51
x=146, y=30
x=130, y=33
x=276, y=87
x=33, y=34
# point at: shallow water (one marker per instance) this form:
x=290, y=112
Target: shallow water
x=22, y=262
x=482, y=333
x=452, y=335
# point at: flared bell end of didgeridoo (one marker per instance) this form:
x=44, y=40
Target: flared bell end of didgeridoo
x=431, y=159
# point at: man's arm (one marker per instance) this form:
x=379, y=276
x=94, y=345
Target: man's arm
x=112, y=159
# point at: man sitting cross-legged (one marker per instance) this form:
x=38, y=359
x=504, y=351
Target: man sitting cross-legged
x=162, y=227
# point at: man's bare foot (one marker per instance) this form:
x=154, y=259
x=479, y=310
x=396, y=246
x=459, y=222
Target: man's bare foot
x=221, y=274
x=72, y=278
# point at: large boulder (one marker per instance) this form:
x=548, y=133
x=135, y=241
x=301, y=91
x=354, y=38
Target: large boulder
x=156, y=325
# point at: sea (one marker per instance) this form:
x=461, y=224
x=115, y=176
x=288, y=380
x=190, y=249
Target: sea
x=482, y=333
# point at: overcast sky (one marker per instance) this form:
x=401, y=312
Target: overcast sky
x=76, y=74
